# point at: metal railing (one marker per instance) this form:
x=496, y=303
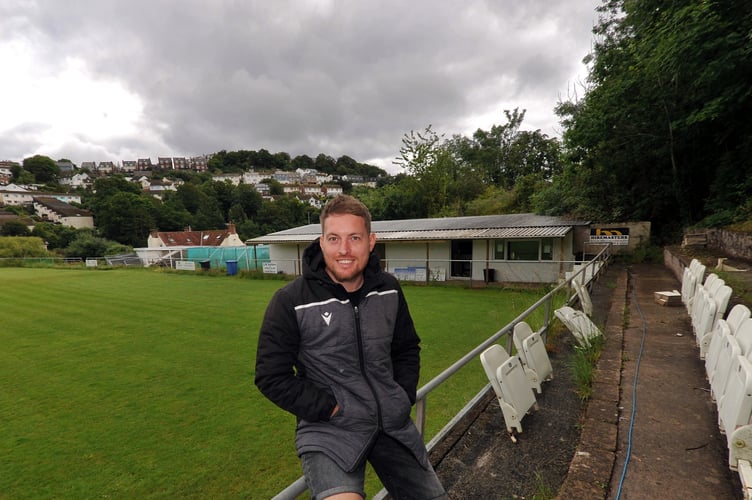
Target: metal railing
x=587, y=272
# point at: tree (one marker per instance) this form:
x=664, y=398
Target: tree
x=280, y=214
x=14, y=228
x=55, y=236
x=303, y=162
x=324, y=163
x=662, y=133
x=43, y=168
x=171, y=215
x=126, y=218
x=248, y=198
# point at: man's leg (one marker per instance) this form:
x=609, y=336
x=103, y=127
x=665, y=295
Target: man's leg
x=325, y=479
x=401, y=474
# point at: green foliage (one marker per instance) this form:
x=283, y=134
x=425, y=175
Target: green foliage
x=14, y=228
x=126, y=217
x=582, y=366
x=243, y=161
x=662, y=133
x=12, y=247
x=87, y=245
x=56, y=236
x=43, y=168
x=646, y=252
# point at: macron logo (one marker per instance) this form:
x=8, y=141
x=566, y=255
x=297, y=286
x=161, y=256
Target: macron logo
x=327, y=317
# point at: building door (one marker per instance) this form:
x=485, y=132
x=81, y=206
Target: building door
x=380, y=249
x=462, y=255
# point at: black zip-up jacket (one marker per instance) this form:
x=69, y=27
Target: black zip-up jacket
x=317, y=348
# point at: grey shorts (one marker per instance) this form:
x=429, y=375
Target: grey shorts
x=325, y=478
x=399, y=471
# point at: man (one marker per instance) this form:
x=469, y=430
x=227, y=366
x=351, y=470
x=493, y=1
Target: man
x=339, y=350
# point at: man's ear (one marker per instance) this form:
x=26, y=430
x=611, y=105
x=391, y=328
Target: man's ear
x=372, y=241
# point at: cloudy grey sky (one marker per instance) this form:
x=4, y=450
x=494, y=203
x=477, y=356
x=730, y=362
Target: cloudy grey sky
x=116, y=80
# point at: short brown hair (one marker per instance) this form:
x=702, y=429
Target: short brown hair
x=345, y=204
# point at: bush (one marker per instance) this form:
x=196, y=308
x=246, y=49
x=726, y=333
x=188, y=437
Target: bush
x=22, y=246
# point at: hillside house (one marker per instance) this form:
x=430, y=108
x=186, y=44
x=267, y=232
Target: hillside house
x=53, y=210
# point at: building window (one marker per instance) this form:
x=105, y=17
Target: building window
x=522, y=250
x=499, y=247
x=547, y=249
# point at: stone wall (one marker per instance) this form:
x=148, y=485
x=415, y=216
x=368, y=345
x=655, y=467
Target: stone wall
x=674, y=263
x=734, y=243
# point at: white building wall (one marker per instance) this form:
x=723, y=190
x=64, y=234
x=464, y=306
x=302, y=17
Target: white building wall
x=78, y=222
x=287, y=257
x=401, y=256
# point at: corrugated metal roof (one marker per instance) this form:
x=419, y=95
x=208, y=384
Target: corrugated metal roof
x=448, y=228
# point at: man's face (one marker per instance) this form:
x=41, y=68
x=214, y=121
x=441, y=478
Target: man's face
x=346, y=247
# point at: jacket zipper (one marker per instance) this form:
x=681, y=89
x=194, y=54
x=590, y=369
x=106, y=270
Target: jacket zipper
x=362, y=359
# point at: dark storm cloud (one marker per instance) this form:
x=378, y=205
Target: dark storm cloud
x=339, y=77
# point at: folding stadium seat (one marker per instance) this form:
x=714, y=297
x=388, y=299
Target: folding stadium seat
x=703, y=314
x=730, y=350
x=715, y=344
x=689, y=283
x=582, y=327
x=532, y=352
x=584, y=296
x=721, y=296
x=735, y=405
x=711, y=342
x=736, y=315
x=698, y=271
x=743, y=337
x=510, y=384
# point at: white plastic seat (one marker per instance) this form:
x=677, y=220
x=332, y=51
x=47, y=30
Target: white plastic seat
x=510, y=384
x=582, y=327
x=730, y=350
x=564, y=314
x=704, y=309
x=688, y=286
x=715, y=344
x=714, y=285
x=743, y=337
x=698, y=270
x=736, y=315
x=721, y=297
x=735, y=405
x=532, y=352
x=711, y=342
x=584, y=296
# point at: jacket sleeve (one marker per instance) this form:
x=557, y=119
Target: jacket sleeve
x=406, y=351
x=278, y=376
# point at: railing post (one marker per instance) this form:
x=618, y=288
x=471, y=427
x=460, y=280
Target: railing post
x=420, y=415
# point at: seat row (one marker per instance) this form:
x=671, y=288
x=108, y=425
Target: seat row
x=725, y=344
x=515, y=377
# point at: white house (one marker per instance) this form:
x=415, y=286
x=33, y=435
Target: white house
x=162, y=245
x=52, y=209
x=521, y=248
x=208, y=238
